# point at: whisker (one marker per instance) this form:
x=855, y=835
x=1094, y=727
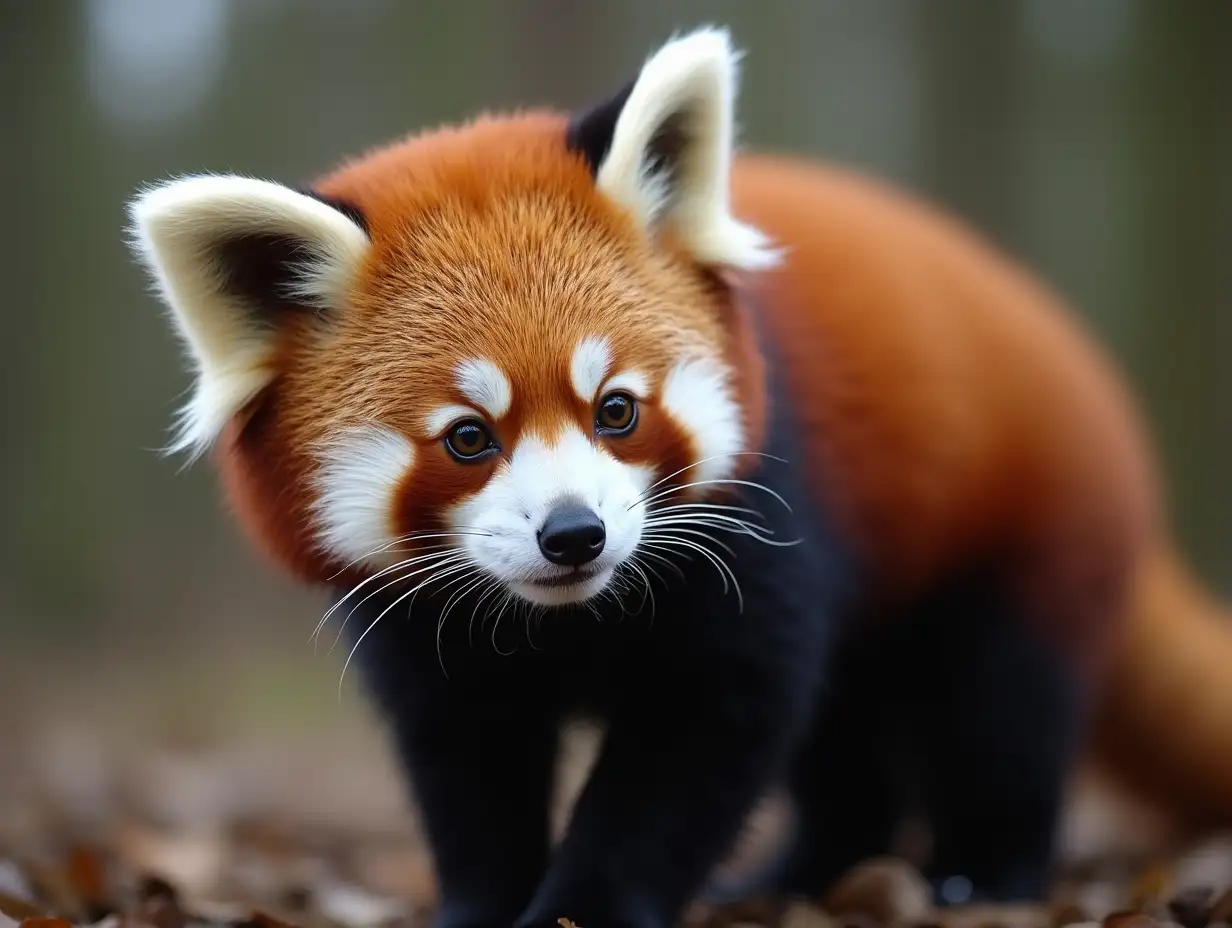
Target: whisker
x=716, y=482
x=470, y=629
x=642, y=572
x=713, y=457
x=531, y=614
x=636, y=558
x=617, y=587
x=380, y=573
x=726, y=524
x=595, y=612
x=496, y=625
x=384, y=612
x=663, y=546
x=457, y=574
x=446, y=559
x=500, y=607
x=713, y=520
x=460, y=594
x=647, y=593
x=725, y=571
x=377, y=550
x=498, y=603
x=411, y=536
x=695, y=533
x=455, y=598
x=670, y=563
x=690, y=507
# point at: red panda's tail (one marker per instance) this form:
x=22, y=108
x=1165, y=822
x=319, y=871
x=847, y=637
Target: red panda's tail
x=1164, y=726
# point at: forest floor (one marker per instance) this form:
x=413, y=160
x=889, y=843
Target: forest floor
x=126, y=811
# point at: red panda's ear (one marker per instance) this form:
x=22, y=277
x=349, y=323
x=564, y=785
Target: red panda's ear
x=662, y=147
x=230, y=257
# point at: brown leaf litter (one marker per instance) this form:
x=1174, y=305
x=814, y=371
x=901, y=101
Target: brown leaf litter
x=268, y=879
x=210, y=839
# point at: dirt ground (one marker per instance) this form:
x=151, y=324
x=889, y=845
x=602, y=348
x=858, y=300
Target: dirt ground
x=119, y=810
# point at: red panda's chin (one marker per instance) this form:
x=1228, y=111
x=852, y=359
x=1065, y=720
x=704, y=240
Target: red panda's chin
x=556, y=593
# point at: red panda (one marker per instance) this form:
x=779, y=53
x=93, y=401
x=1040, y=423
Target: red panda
x=785, y=476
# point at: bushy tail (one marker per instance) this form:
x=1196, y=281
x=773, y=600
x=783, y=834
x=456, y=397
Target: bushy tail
x=1164, y=726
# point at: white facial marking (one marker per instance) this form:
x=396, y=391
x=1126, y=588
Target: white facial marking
x=360, y=472
x=634, y=382
x=516, y=502
x=591, y=359
x=437, y=421
x=697, y=394
x=485, y=385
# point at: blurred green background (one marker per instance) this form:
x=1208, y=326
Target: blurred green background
x=1092, y=140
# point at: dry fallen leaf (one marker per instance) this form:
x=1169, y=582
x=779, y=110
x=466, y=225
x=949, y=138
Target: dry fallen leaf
x=885, y=889
x=803, y=915
x=1069, y=914
x=1129, y=919
x=1221, y=911
x=227, y=862
x=262, y=920
x=1151, y=886
x=1001, y=916
x=17, y=908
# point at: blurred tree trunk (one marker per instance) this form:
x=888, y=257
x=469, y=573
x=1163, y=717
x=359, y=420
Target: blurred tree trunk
x=972, y=146
x=53, y=529
x=551, y=38
x=1181, y=262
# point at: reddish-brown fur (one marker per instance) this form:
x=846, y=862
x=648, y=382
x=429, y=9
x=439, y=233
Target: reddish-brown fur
x=470, y=228
x=953, y=409
x=955, y=413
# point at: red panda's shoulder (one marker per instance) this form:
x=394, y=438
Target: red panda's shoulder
x=942, y=386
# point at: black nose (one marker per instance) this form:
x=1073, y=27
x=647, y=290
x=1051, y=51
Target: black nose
x=571, y=535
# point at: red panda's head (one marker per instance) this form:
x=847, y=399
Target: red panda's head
x=494, y=338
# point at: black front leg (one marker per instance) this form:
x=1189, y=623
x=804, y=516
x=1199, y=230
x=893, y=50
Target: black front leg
x=482, y=778
x=480, y=753
x=685, y=760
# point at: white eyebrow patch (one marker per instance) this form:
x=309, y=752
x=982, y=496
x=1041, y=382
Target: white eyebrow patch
x=634, y=382
x=444, y=416
x=591, y=359
x=358, y=482
x=485, y=385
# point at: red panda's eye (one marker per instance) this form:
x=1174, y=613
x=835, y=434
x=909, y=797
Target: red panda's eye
x=469, y=440
x=617, y=414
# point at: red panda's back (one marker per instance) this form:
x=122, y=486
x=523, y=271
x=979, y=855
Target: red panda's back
x=952, y=405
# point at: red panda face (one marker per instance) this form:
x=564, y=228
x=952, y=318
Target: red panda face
x=530, y=368
x=475, y=354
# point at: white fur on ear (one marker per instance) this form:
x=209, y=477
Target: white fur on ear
x=179, y=230
x=671, y=151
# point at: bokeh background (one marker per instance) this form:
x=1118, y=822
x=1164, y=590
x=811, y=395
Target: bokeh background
x=1092, y=140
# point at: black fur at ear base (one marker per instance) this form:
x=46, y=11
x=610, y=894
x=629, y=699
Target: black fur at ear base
x=668, y=144
x=259, y=268
x=347, y=208
x=590, y=131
